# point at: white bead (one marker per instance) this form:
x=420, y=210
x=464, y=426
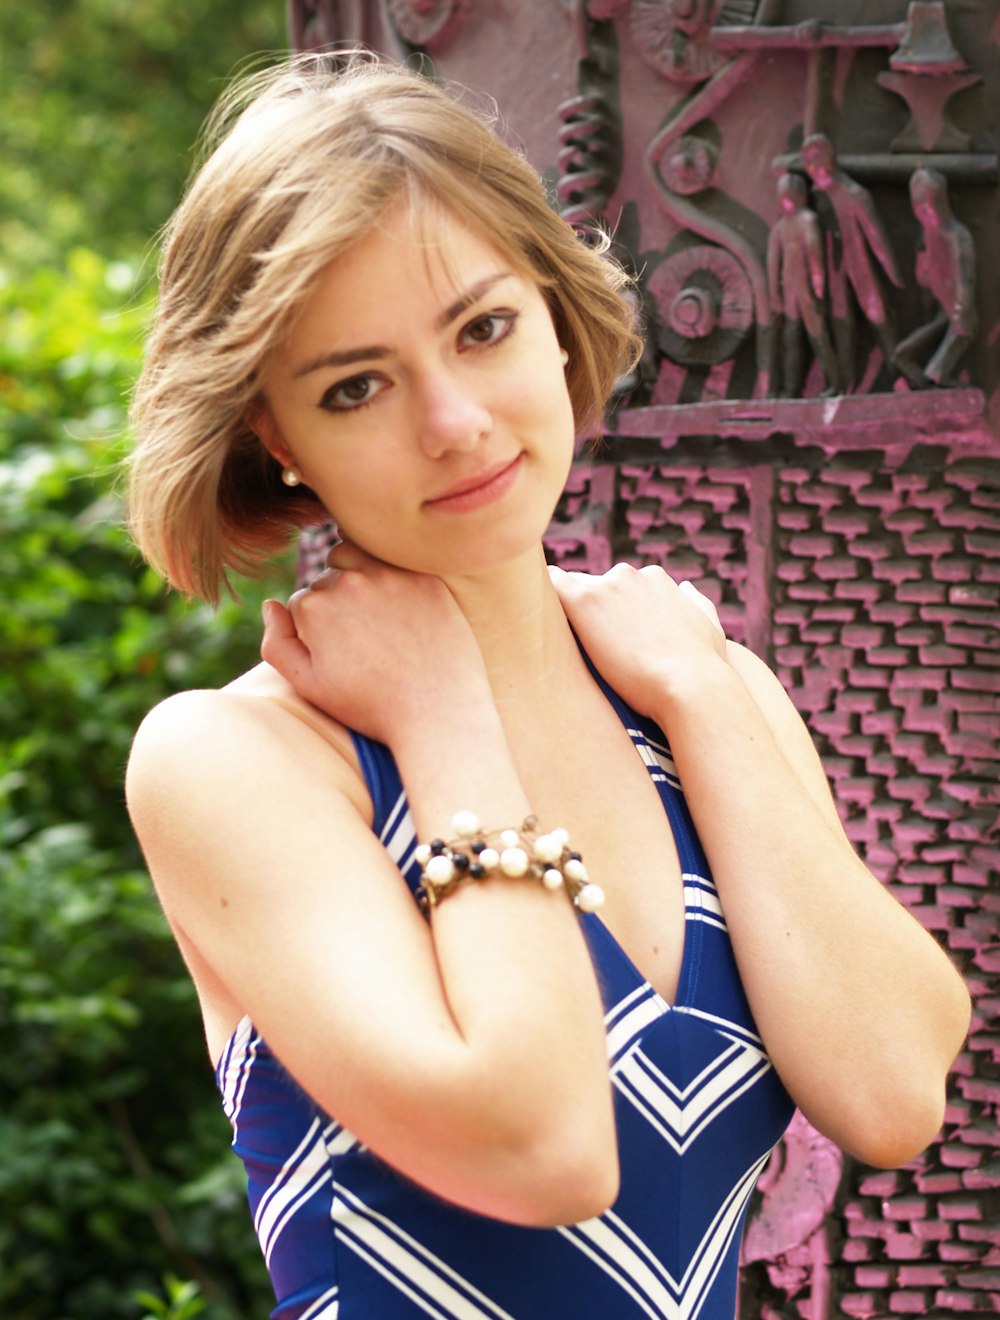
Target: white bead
x=513, y=861
x=465, y=824
x=547, y=848
x=552, y=879
x=510, y=838
x=489, y=859
x=574, y=870
x=561, y=836
x=439, y=870
x=422, y=853
x=590, y=898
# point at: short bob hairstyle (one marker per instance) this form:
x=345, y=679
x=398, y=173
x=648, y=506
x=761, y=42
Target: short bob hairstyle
x=299, y=163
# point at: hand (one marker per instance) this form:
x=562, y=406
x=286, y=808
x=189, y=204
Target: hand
x=381, y=649
x=646, y=633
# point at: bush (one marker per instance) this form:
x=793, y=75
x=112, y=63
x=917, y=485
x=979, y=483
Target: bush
x=114, y=1164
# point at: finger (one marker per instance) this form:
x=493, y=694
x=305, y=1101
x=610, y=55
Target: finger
x=281, y=647
x=564, y=582
x=699, y=598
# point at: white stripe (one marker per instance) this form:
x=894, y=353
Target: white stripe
x=625, y=1002
x=624, y=1257
x=397, y=1281
x=731, y=1030
x=618, y=1259
x=707, y=1260
x=399, y=828
x=325, y=1307
x=625, y=1230
x=714, y=922
x=700, y=895
x=397, y=813
x=245, y=1041
x=662, y=752
x=338, y=1140
x=292, y=1206
x=655, y=762
x=400, y=1257
x=680, y=1117
x=399, y=834
x=301, y=1173
x=634, y=1021
x=667, y=764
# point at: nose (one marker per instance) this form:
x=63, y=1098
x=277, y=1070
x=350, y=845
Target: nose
x=450, y=416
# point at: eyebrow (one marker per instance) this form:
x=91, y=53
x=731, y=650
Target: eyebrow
x=464, y=301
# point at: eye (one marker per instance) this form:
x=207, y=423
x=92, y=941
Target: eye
x=350, y=395
x=489, y=330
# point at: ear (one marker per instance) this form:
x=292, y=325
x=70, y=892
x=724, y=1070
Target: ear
x=261, y=421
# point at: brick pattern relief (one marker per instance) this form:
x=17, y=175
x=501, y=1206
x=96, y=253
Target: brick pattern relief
x=884, y=597
x=887, y=622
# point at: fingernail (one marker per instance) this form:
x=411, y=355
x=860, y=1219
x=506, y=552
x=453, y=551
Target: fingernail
x=267, y=610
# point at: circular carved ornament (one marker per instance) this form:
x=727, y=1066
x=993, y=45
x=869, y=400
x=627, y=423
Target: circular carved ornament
x=671, y=36
x=688, y=167
x=705, y=305
x=427, y=23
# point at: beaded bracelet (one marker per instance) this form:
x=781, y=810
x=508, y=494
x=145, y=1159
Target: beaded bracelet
x=471, y=855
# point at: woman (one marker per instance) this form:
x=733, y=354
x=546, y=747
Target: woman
x=369, y=312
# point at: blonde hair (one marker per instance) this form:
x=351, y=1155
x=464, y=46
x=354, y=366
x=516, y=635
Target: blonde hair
x=308, y=157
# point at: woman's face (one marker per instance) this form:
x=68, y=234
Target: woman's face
x=422, y=397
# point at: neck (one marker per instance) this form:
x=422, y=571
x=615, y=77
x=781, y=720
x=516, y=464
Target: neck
x=519, y=624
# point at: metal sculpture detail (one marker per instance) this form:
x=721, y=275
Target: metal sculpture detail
x=427, y=23
x=705, y=304
x=946, y=266
x=796, y=280
x=672, y=37
x=857, y=248
x=829, y=300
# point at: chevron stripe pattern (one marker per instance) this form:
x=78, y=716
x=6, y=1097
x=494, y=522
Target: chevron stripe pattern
x=698, y=1108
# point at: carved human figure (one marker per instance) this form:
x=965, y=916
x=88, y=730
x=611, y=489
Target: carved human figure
x=796, y=284
x=946, y=265
x=856, y=238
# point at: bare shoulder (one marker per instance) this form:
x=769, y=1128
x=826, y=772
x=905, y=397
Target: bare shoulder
x=226, y=747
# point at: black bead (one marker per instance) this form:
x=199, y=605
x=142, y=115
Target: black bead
x=476, y=870
x=436, y=846
x=460, y=862
x=575, y=856
x=479, y=846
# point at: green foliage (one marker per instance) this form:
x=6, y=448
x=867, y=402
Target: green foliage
x=118, y=1193
x=184, y=1301
x=114, y=1161
x=101, y=101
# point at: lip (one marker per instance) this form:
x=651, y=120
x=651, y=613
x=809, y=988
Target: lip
x=483, y=488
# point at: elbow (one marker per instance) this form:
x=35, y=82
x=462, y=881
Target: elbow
x=898, y=1129
x=573, y=1180
x=561, y=1170
x=564, y=1187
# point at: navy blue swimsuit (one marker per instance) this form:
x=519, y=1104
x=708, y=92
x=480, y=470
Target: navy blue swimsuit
x=698, y=1108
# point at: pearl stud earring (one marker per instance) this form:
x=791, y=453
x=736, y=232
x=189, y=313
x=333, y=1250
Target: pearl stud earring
x=564, y=354
x=291, y=476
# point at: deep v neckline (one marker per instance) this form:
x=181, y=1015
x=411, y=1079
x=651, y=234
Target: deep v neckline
x=692, y=864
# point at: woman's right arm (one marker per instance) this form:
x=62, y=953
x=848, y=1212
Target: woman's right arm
x=469, y=1052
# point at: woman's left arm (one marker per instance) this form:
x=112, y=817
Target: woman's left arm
x=861, y=1011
